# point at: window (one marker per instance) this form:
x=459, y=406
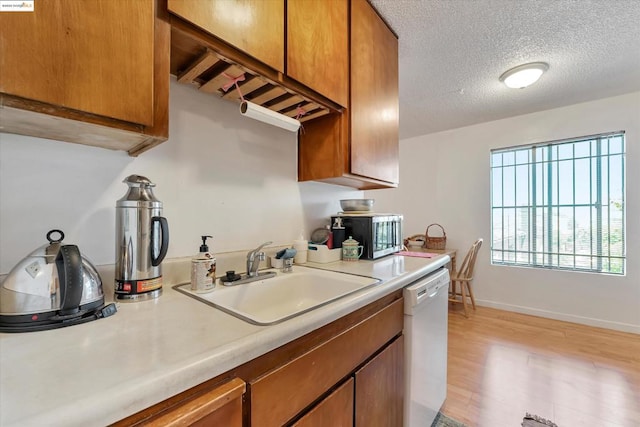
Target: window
x=560, y=205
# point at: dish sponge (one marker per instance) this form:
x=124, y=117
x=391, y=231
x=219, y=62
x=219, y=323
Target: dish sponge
x=286, y=253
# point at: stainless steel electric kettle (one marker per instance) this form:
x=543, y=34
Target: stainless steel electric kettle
x=142, y=240
x=52, y=287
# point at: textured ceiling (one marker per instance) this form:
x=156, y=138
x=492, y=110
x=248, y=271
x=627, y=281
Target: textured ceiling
x=452, y=53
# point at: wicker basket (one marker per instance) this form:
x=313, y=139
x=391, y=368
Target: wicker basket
x=439, y=242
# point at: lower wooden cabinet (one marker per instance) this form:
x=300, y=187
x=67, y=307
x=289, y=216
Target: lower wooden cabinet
x=373, y=396
x=283, y=393
x=380, y=388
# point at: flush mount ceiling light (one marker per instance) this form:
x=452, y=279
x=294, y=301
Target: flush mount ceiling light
x=524, y=75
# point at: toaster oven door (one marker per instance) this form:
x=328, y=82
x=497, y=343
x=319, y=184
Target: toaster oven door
x=386, y=236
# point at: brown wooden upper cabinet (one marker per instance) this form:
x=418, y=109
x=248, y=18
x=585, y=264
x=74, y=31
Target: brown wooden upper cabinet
x=359, y=148
x=317, y=37
x=318, y=46
x=101, y=67
x=255, y=27
x=374, y=95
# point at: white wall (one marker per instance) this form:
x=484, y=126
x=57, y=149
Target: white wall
x=444, y=178
x=219, y=174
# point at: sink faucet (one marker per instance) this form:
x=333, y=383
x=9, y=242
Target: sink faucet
x=253, y=259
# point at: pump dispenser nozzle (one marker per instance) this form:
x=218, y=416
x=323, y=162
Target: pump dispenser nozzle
x=204, y=247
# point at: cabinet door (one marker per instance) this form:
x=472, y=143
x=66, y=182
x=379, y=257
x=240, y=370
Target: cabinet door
x=359, y=148
x=91, y=56
x=254, y=26
x=374, y=95
x=318, y=46
x=380, y=388
x=336, y=410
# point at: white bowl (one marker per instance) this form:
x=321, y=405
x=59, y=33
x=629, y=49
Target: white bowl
x=415, y=243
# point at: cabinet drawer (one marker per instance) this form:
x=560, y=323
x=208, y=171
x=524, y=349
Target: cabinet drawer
x=220, y=406
x=282, y=393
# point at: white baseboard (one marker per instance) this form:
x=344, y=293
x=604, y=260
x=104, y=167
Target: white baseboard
x=617, y=326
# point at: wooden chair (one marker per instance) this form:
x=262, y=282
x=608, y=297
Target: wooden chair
x=464, y=276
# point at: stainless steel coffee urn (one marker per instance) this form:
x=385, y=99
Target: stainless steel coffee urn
x=142, y=240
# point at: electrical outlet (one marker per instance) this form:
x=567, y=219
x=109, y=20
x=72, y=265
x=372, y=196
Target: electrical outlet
x=33, y=269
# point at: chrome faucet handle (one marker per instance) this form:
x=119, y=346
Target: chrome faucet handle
x=251, y=254
x=252, y=263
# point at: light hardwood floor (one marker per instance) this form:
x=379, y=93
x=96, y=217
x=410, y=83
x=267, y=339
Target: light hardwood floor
x=504, y=364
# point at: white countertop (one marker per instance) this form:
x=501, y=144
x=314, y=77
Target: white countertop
x=99, y=372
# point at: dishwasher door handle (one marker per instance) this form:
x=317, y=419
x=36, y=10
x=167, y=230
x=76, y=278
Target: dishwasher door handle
x=423, y=294
x=436, y=290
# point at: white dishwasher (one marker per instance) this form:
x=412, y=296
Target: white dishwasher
x=425, y=331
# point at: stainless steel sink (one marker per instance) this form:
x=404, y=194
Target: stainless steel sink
x=273, y=300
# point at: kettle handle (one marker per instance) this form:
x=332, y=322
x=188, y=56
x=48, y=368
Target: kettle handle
x=69, y=265
x=164, y=229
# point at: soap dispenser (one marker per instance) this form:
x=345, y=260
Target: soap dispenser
x=203, y=269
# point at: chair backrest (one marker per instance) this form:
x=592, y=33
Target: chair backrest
x=466, y=268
